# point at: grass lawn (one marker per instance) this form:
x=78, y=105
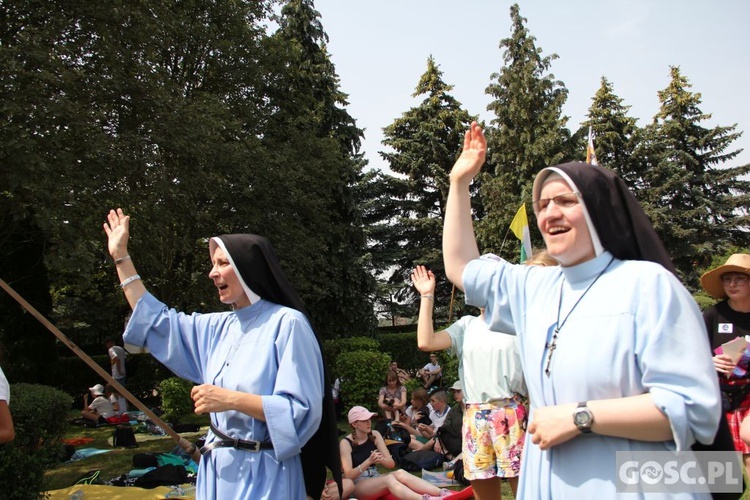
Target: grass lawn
x=120, y=460
x=112, y=464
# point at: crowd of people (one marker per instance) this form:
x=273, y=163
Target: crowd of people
x=592, y=348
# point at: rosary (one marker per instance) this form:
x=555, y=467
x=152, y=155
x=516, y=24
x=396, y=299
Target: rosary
x=552, y=345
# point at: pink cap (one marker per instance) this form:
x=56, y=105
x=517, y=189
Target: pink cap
x=359, y=413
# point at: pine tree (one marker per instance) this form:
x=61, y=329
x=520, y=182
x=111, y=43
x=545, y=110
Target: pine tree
x=527, y=134
x=697, y=202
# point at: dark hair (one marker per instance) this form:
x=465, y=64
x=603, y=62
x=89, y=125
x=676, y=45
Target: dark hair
x=441, y=395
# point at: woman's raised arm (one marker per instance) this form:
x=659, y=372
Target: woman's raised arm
x=117, y=228
x=459, y=242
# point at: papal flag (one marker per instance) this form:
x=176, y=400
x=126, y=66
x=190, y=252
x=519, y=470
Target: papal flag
x=590, y=153
x=520, y=227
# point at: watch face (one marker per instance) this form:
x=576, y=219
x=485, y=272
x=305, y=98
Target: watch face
x=582, y=418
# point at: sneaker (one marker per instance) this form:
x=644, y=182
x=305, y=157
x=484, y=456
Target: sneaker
x=449, y=465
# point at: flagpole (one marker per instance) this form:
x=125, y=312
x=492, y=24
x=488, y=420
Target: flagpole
x=186, y=445
x=450, y=309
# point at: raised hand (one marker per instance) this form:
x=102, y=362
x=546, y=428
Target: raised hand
x=117, y=228
x=423, y=280
x=472, y=156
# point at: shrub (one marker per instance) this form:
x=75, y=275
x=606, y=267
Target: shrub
x=362, y=374
x=175, y=399
x=39, y=415
x=333, y=348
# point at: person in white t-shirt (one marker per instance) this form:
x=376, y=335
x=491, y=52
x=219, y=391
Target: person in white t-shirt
x=431, y=372
x=439, y=410
x=100, y=408
x=494, y=424
x=7, y=430
x=119, y=403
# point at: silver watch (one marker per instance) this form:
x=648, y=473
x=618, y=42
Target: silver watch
x=583, y=418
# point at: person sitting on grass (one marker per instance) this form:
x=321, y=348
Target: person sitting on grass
x=119, y=403
x=99, y=409
x=403, y=375
x=438, y=414
x=365, y=448
x=431, y=373
x=392, y=397
x=448, y=437
x=417, y=413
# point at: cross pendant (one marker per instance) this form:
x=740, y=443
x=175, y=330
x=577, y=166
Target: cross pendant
x=550, y=349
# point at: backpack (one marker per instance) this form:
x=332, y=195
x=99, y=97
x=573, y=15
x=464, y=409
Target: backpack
x=123, y=436
x=398, y=451
x=166, y=475
x=421, y=459
x=458, y=472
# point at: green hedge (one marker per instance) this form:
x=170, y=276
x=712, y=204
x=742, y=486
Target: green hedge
x=40, y=417
x=362, y=374
x=334, y=348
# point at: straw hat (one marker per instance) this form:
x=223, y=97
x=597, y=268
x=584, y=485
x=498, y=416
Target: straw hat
x=711, y=281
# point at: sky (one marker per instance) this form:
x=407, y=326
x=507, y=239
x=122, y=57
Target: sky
x=380, y=49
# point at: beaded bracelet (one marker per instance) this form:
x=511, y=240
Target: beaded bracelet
x=130, y=280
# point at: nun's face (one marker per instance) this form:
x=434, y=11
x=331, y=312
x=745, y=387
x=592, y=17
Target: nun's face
x=226, y=280
x=564, y=228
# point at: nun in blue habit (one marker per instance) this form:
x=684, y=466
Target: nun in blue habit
x=258, y=367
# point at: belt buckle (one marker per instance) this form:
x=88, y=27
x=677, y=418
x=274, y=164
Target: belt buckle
x=256, y=446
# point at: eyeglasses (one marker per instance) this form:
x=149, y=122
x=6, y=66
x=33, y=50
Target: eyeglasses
x=738, y=280
x=564, y=200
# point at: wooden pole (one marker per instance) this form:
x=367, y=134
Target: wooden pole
x=450, y=309
x=186, y=445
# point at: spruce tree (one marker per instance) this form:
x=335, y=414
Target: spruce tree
x=527, y=133
x=696, y=199
x=332, y=266
x=614, y=132
x=425, y=142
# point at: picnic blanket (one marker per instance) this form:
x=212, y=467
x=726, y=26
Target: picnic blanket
x=102, y=492
x=85, y=453
x=439, y=479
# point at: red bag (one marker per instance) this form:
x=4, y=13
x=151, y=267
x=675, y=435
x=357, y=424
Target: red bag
x=118, y=419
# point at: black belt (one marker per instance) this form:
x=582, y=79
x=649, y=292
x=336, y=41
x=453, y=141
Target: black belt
x=238, y=444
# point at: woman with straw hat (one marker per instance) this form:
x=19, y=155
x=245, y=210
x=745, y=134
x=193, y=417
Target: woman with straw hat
x=725, y=321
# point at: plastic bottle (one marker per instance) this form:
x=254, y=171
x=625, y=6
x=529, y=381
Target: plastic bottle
x=392, y=434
